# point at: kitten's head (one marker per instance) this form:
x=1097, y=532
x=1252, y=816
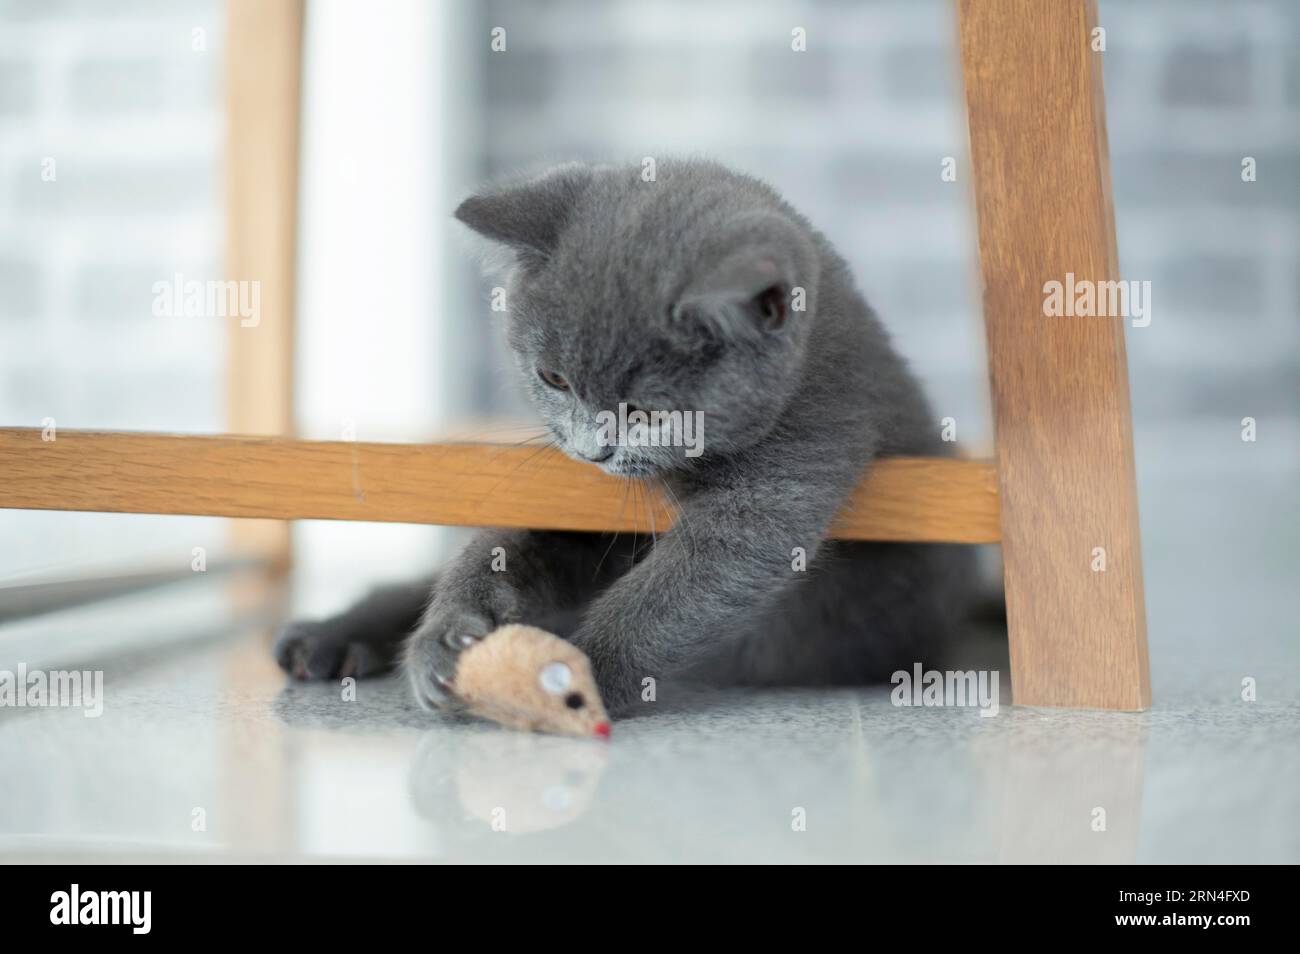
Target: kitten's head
x=687, y=297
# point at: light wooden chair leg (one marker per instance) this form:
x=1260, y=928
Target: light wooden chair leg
x=263, y=79
x=1060, y=391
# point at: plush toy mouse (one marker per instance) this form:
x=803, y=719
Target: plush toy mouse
x=526, y=678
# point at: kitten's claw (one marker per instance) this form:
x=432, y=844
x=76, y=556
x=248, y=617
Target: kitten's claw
x=434, y=652
x=434, y=692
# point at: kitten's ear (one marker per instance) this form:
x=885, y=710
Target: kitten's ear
x=528, y=216
x=763, y=275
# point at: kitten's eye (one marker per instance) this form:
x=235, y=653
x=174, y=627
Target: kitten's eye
x=556, y=381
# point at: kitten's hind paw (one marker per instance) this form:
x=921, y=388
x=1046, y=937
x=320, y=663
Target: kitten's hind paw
x=310, y=650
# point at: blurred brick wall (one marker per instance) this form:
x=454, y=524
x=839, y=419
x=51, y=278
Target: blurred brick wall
x=1192, y=87
x=853, y=131
x=131, y=114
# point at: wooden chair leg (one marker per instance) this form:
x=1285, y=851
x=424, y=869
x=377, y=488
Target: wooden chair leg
x=263, y=79
x=1059, y=384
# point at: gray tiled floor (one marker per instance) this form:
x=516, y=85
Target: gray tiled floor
x=208, y=729
x=292, y=771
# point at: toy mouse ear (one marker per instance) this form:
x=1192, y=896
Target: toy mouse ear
x=528, y=216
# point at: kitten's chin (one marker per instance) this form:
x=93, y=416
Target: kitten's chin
x=616, y=466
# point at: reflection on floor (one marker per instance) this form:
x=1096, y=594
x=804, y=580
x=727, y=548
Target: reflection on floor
x=209, y=752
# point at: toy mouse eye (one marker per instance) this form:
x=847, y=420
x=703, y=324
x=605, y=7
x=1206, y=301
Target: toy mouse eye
x=556, y=381
x=555, y=678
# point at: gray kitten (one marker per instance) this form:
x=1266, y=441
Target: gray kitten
x=699, y=291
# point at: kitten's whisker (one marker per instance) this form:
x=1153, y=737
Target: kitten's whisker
x=638, y=536
x=681, y=514
x=515, y=470
x=647, y=505
x=614, y=539
x=530, y=439
x=473, y=433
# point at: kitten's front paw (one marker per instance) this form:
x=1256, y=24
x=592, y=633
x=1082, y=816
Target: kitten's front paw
x=312, y=650
x=434, y=650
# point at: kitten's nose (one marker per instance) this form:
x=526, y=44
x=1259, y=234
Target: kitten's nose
x=602, y=454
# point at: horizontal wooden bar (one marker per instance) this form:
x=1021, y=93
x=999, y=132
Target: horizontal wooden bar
x=458, y=484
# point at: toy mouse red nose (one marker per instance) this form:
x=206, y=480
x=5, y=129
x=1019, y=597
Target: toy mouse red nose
x=602, y=729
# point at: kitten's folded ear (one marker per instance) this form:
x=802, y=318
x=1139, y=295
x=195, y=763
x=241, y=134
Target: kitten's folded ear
x=761, y=272
x=528, y=216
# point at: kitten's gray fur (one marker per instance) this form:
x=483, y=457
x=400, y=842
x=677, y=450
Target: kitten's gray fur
x=675, y=294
